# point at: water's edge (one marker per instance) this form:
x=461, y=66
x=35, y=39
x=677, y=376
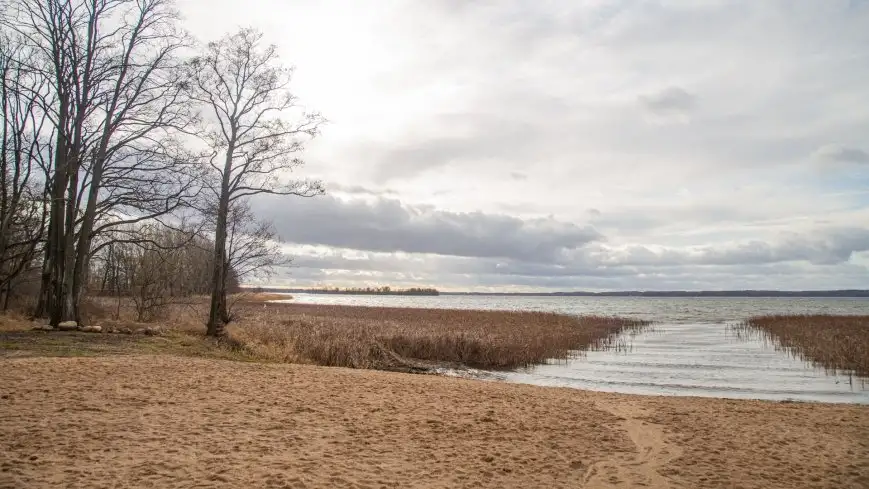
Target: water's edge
x=687, y=352
x=696, y=359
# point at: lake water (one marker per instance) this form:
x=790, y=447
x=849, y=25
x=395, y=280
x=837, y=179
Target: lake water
x=689, y=351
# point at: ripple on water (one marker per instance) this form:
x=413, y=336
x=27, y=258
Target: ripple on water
x=700, y=359
x=689, y=351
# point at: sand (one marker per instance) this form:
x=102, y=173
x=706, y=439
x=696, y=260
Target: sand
x=165, y=421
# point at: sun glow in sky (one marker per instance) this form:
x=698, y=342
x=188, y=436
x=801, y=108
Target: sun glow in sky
x=506, y=145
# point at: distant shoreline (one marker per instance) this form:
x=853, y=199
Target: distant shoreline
x=848, y=293
x=682, y=293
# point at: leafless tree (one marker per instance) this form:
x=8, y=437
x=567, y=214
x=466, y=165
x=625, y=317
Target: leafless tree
x=253, y=248
x=117, y=100
x=256, y=132
x=161, y=266
x=23, y=151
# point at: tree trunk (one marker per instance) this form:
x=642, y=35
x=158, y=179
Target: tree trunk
x=218, y=315
x=82, y=258
x=44, y=300
x=54, y=244
x=6, y=295
x=67, y=304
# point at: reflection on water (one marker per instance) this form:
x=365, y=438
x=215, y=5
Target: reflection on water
x=699, y=359
x=689, y=351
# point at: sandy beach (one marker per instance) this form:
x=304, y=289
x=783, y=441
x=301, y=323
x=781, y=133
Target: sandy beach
x=166, y=421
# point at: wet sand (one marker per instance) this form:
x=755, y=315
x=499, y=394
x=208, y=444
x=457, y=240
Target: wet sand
x=165, y=421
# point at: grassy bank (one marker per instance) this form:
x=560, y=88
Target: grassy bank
x=358, y=337
x=836, y=343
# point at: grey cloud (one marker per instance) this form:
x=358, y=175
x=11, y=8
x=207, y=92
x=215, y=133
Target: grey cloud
x=358, y=189
x=657, y=218
x=467, y=274
x=554, y=89
x=671, y=100
x=826, y=247
x=412, y=159
x=449, y=265
x=753, y=264
x=841, y=154
x=387, y=225
x=488, y=137
x=520, y=207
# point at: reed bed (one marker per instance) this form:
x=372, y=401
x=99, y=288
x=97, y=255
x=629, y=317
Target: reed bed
x=398, y=338
x=835, y=343
x=374, y=337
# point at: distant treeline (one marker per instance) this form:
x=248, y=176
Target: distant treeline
x=626, y=293
x=355, y=291
x=685, y=293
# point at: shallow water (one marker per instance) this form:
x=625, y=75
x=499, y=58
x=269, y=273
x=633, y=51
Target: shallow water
x=690, y=351
x=696, y=359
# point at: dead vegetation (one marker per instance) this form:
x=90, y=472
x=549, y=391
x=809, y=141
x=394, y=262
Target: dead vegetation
x=259, y=297
x=365, y=337
x=836, y=343
x=361, y=337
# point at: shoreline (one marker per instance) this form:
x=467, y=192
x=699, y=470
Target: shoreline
x=487, y=376
x=409, y=340
x=172, y=421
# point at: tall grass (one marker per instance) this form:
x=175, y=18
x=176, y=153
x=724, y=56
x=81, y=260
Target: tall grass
x=381, y=338
x=836, y=343
x=395, y=338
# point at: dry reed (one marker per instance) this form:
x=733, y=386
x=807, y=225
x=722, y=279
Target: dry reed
x=366, y=337
x=836, y=343
x=380, y=338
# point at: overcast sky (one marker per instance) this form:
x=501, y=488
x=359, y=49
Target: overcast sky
x=590, y=145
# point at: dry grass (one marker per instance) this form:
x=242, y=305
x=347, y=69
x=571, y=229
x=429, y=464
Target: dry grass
x=836, y=343
x=259, y=297
x=73, y=344
x=357, y=337
x=363, y=337
x=182, y=334
x=14, y=321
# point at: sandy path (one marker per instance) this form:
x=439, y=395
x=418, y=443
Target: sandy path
x=653, y=451
x=180, y=422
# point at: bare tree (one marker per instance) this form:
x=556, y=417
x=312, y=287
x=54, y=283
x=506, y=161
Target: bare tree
x=23, y=150
x=117, y=99
x=185, y=252
x=245, y=92
x=253, y=246
x=156, y=266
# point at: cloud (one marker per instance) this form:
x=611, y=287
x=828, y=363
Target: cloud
x=464, y=139
x=720, y=269
x=387, y=225
x=386, y=240
x=358, y=190
x=671, y=100
x=469, y=140
x=841, y=154
x=669, y=105
x=824, y=246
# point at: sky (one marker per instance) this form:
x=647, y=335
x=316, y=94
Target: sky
x=539, y=145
